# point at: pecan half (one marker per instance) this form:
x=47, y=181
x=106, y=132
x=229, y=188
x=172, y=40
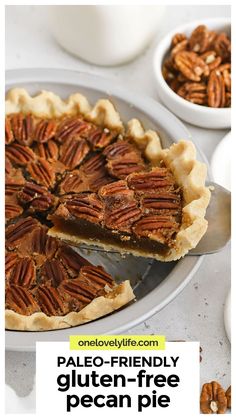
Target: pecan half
x=78, y=294
x=121, y=168
x=177, y=38
x=74, y=182
x=48, y=151
x=199, y=41
x=70, y=127
x=119, y=149
x=180, y=46
x=37, y=196
x=153, y=181
x=96, y=275
x=72, y=261
x=12, y=210
x=159, y=227
x=116, y=190
x=211, y=59
x=194, y=92
x=191, y=65
x=73, y=152
x=44, y=130
x=20, y=154
x=11, y=259
x=228, y=396
x=39, y=243
x=50, y=301
x=222, y=46
x=100, y=137
x=122, y=216
x=86, y=206
x=24, y=273
x=9, y=137
x=42, y=172
x=166, y=202
x=22, y=127
x=213, y=398
x=21, y=300
x=53, y=273
x=16, y=232
x=216, y=90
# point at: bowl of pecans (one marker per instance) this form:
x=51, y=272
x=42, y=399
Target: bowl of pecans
x=192, y=66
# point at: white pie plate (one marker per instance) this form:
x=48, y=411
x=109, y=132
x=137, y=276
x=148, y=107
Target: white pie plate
x=161, y=282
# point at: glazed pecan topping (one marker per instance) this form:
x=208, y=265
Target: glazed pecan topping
x=87, y=206
x=9, y=137
x=42, y=172
x=216, y=90
x=99, y=137
x=38, y=197
x=10, y=261
x=16, y=232
x=24, y=273
x=121, y=168
x=97, y=275
x=198, y=41
x=194, y=92
x=12, y=210
x=45, y=130
x=74, y=182
x=157, y=178
x=22, y=127
x=72, y=152
x=213, y=398
x=71, y=127
x=77, y=293
x=50, y=301
x=21, y=300
x=42, y=244
x=166, y=202
x=20, y=154
x=53, y=272
x=160, y=226
x=123, y=216
x=94, y=165
x=191, y=65
x=116, y=189
x=48, y=151
x=119, y=149
x=72, y=261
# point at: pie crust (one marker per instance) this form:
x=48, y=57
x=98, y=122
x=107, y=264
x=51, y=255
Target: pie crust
x=179, y=159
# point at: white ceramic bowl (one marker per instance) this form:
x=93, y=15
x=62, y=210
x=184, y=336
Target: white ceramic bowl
x=199, y=115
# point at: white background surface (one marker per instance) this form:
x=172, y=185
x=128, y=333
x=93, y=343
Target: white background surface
x=197, y=313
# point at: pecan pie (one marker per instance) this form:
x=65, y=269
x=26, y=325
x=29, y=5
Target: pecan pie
x=77, y=174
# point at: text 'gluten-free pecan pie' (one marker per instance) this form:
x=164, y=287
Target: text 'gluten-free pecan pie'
x=75, y=174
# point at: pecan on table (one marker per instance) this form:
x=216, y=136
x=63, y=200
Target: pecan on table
x=213, y=398
x=228, y=396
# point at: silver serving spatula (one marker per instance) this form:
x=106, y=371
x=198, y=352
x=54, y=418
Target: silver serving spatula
x=219, y=222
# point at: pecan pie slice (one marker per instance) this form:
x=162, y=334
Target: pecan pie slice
x=76, y=174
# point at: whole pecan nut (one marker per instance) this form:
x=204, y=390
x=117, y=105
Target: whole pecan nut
x=50, y=301
x=213, y=398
